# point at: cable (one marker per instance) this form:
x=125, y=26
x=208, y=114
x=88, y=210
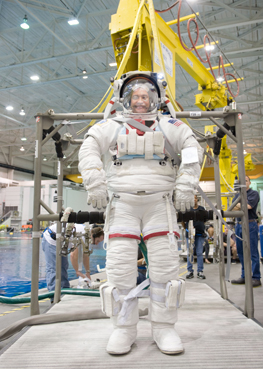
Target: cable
x=227, y=184
x=207, y=37
x=166, y=10
x=211, y=37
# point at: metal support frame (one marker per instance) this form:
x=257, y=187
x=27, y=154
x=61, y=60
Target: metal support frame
x=232, y=119
x=45, y=121
x=249, y=301
x=59, y=229
x=223, y=288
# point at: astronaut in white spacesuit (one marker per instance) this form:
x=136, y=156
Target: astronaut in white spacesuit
x=137, y=177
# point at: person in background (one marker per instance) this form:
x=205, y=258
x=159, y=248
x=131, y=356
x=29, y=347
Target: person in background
x=209, y=238
x=206, y=247
x=49, y=248
x=210, y=231
x=232, y=246
x=97, y=235
x=252, y=203
x=141, y=263
x=198, y=245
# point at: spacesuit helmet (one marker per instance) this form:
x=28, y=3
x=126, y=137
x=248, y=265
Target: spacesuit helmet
x=139, y=94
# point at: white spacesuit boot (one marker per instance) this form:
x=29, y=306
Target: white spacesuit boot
x=123, y=336
x=165, y=299
x=166, y=338
x=124, y=316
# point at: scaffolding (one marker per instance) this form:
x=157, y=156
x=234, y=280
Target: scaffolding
x=232, y=120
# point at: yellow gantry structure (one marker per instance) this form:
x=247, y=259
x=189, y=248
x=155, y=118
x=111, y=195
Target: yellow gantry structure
x=142, y=40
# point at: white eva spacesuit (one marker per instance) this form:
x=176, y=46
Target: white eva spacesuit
x=139, y=149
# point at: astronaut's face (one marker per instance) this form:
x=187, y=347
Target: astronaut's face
x=140, y=101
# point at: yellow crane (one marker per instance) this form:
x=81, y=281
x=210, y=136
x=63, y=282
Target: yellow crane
x=142, y=40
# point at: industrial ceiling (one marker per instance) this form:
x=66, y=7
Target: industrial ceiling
x=58, y=53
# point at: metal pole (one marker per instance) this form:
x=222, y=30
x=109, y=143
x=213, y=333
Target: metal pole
x=46, y=207
x=249, y=301
x=233, y=204
x=221, y=247
x=72, y=116
x=59, y=227
x=34, y=307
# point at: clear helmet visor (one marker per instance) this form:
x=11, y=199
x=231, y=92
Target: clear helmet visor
x=140, y=97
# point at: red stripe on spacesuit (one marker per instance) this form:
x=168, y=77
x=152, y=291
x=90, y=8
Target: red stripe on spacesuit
x=113, y=111
x=111, y=102
x=113, y=235
x=167, y=101
x=156, y=234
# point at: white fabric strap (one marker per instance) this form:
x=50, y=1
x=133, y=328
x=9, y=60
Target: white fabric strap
x=178, y=291
x=158, y=285
x=157, y=298
x=170, y=225
x=130, y=300
x=107, y=222
x=154, y=296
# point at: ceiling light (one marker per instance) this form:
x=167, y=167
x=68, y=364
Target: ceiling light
x=73, y=21
x=44, y=158
x=24, y=25
x=113, y=64
x=23, y=138
x=69, y=166
x=22, y=148
x=84, y=72
x=34, y=78
x=209, y=47
x=245, y=152
x=220, y=79
x=22, y=111
x=9, y=107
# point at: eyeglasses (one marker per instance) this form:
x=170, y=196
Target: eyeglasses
x=142, y=97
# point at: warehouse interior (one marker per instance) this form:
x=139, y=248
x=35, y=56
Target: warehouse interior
x=58, y=57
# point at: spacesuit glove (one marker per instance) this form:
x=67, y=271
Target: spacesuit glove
x=184, y=199
x=184, y=192
x=98, y=197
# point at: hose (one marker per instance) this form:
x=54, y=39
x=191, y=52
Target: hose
x=64, y=291
x=55, y=318
x=50, y=319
